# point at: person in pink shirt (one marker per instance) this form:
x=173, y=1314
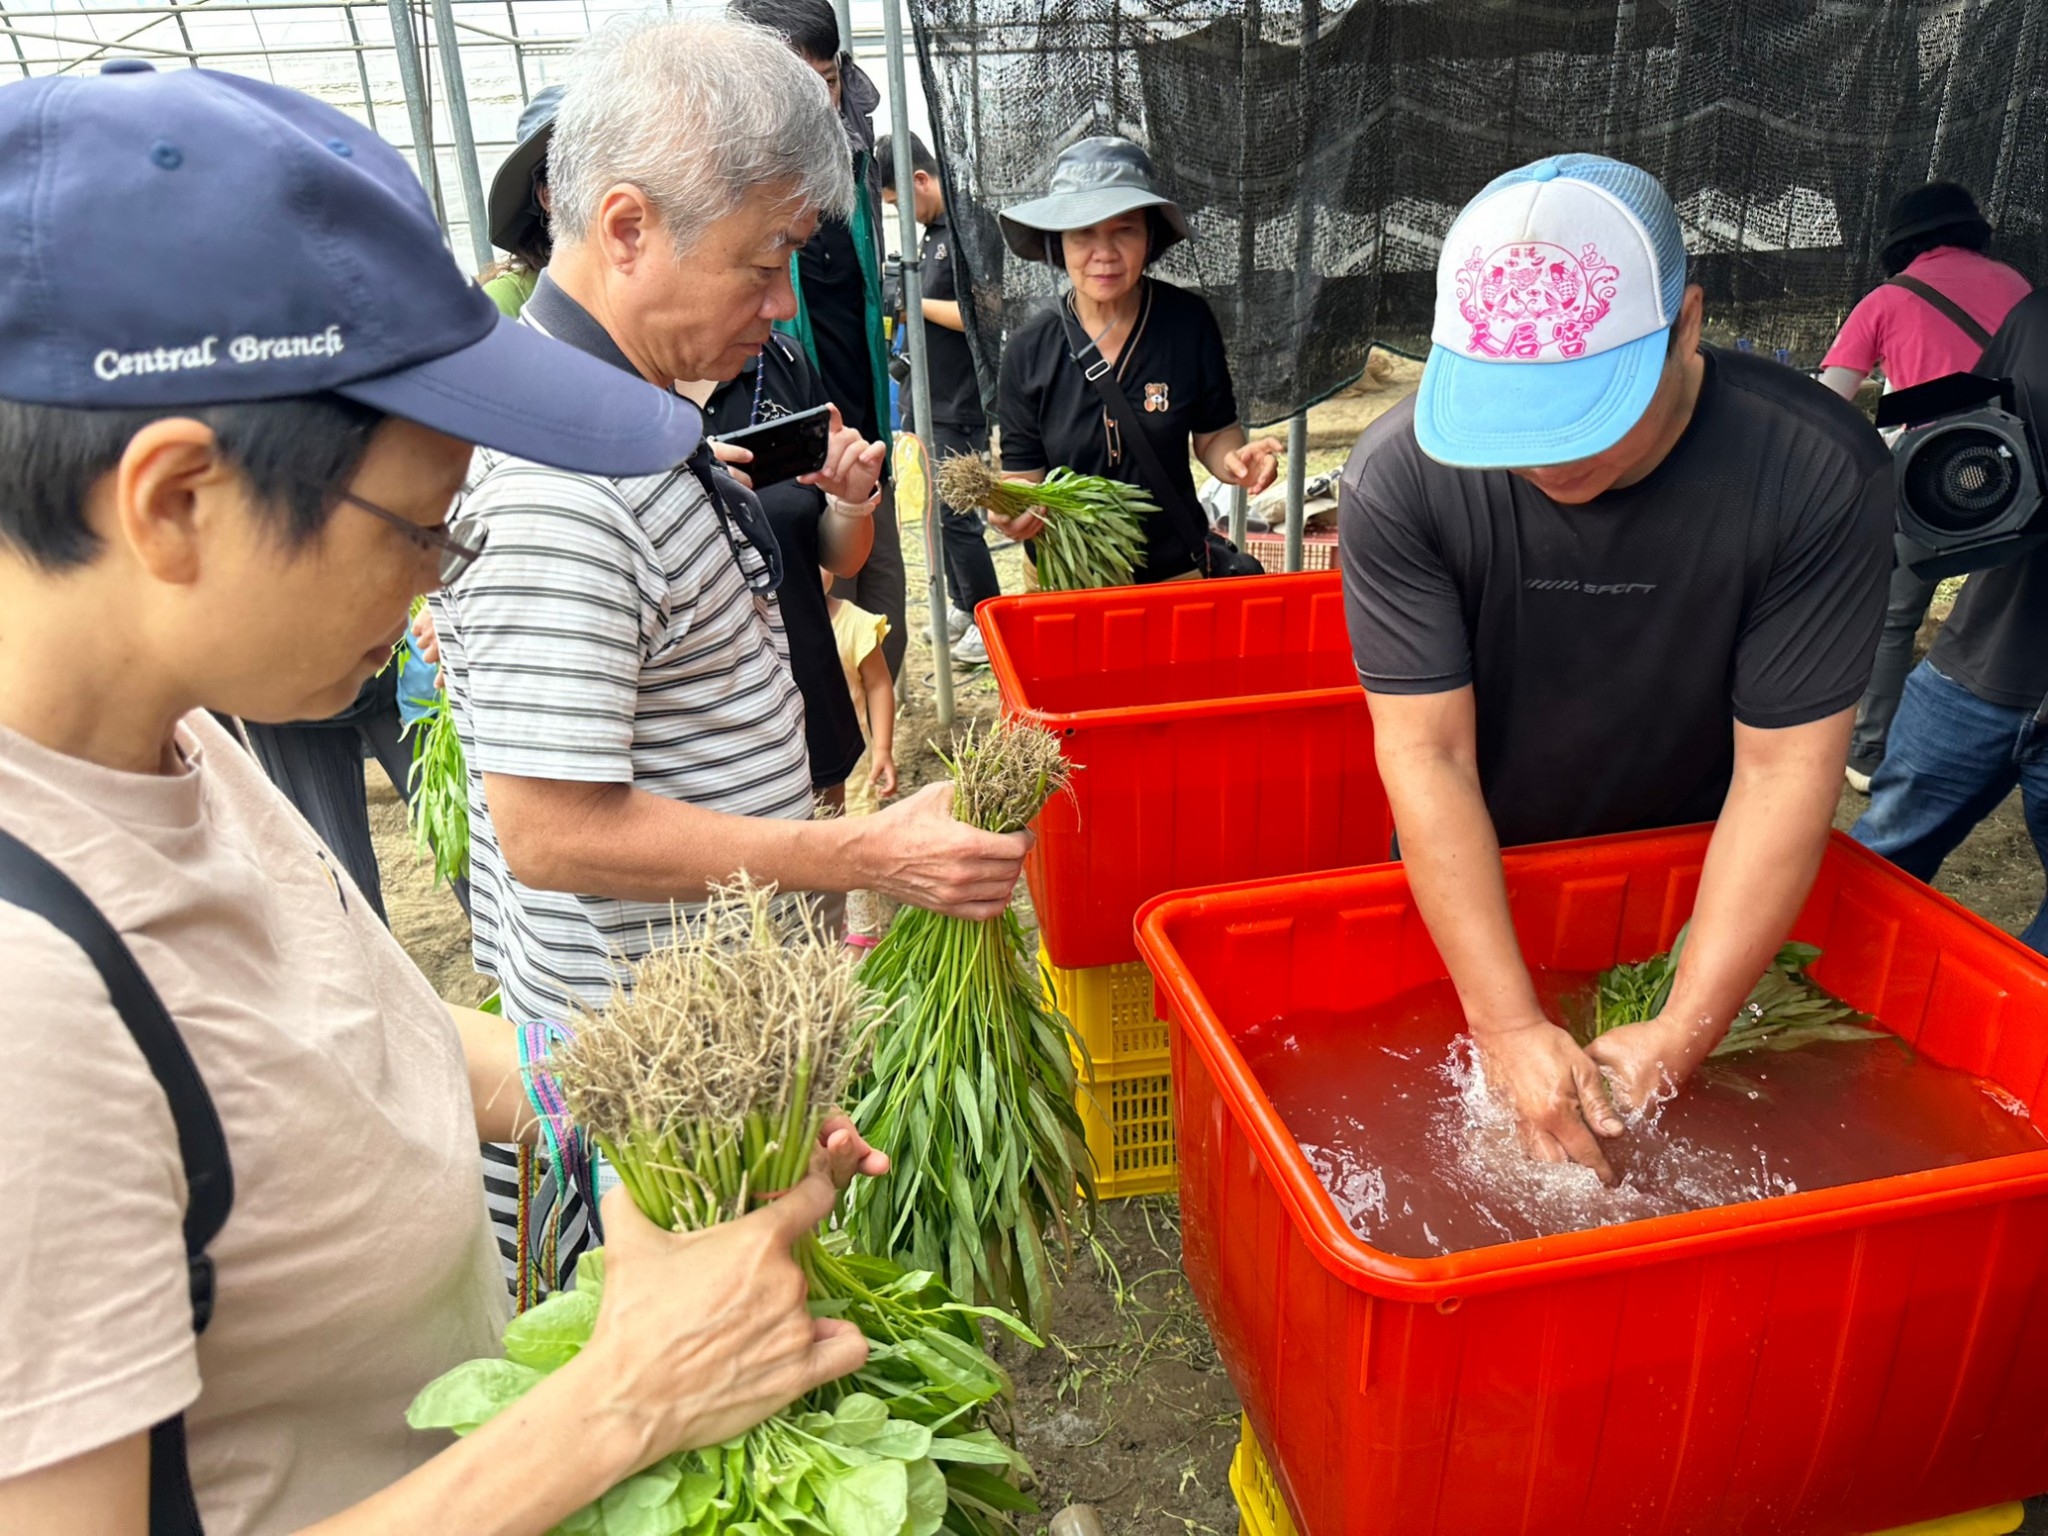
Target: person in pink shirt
x=1933, y=315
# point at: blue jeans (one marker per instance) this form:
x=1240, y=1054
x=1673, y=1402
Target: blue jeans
x=1951, y=761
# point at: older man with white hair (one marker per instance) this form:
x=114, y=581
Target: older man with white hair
x=616, y=658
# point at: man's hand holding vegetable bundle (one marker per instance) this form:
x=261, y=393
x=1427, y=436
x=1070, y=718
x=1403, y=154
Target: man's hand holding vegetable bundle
x=919, y=853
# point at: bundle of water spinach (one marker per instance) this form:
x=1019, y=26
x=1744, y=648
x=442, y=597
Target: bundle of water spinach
x=1094, y=527
x=704, y=1086
x=1785, y=1009
x=972, y=1087
x=437, y=789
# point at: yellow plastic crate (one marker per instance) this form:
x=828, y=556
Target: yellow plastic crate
x=1110, y=1007
x=1127, y=1113
x=1126, y=1089
x=1261, y=1511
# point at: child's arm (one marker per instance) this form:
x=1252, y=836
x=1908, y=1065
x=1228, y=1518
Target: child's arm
x=881, y=699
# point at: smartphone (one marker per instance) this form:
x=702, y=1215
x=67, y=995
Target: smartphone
x=784, y=448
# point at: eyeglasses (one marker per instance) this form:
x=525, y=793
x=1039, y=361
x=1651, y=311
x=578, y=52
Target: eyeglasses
x=454, y=557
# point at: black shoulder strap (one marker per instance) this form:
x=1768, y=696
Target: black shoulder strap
x=1188, y=522
x=1964, y=320
x=33, y=883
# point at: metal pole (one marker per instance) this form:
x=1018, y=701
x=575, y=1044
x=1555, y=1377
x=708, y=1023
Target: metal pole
x=1240, y=515
x=518, y=51
x=465, y=140
x=20, y=57
x=920, y=364
x=843, y=9
x=1297, y=480
x=415, y=100
x=355, y=37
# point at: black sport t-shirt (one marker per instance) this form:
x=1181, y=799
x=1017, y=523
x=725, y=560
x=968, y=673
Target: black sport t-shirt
x=831, y=727
x=1995, y=643
x=1609, y=646
x=1178, y=382
x=956, y=393
x=835, y=298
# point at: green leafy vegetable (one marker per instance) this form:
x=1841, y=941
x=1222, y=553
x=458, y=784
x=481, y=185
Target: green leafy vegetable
x=437, y=787
x=1094, y=526
x=1785, y=1009
x=972, y=1088
x=705, y=1086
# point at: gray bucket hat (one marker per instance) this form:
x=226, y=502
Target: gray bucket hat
x=1093, y=180
x=511, y=206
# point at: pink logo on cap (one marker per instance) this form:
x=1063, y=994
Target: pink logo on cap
x=1525, y=300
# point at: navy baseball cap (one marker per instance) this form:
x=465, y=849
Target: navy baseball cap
x=194, y=238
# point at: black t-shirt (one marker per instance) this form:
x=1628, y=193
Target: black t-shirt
x=1609, y=646
x=1173, y=371
x=831, y=728
x=835, y=298
x=1995, y=643
x=956, y=393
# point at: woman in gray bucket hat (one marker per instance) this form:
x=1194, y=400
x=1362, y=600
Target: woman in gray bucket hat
x=1103, y=222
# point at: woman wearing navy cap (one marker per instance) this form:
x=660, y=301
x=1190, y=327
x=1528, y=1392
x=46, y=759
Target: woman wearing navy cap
x=1103, y=223
x=244, y=1128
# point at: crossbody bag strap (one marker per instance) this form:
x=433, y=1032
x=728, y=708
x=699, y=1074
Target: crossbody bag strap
x=33, y=883
x=1188, y=522
x=1964, y=320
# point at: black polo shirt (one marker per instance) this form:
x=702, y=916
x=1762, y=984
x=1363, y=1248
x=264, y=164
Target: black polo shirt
x=956, y=393
x=1177, y=379
x=831, y=728
x=1611, y=646
x=1995, y=643
x=835, y=298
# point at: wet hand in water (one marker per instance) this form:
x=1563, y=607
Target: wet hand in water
x=1556, y=1091
x=1646, y=1062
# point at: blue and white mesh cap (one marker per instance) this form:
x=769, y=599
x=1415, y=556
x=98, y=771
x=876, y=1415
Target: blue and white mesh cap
x=1555, y=295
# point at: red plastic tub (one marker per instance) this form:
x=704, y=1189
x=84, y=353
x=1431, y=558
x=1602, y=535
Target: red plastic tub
x=1220, y=734
x=1834, y=1361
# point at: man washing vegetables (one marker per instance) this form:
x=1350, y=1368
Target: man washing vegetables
x=1600, y=578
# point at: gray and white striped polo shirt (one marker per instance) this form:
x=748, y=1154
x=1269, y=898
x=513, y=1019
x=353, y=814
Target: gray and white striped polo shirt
x=607, y=635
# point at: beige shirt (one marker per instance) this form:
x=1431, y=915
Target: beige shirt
x=356, y=1264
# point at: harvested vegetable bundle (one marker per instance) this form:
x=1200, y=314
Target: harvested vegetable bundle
x=1094, y=530
x=1785, y=1009
x=706, y=1087
x=972, y=1087
x=437, y=789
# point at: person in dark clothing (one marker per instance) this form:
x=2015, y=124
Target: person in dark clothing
x=319, y=766
x=1598, y=579
x=957, y=425
x=1102, y=222
x=1973, y=723
x=814, y=530
x=838, y=280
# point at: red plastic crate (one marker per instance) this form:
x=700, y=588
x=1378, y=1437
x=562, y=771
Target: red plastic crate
x=1219, y=733
x=1828, y=1362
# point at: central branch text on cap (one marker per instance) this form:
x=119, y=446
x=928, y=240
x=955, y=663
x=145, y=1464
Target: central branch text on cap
x=111, y=364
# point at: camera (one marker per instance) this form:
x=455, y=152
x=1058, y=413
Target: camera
x=1969, y=473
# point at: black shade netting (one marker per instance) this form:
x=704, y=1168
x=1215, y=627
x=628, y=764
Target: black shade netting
x=1321, y=151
